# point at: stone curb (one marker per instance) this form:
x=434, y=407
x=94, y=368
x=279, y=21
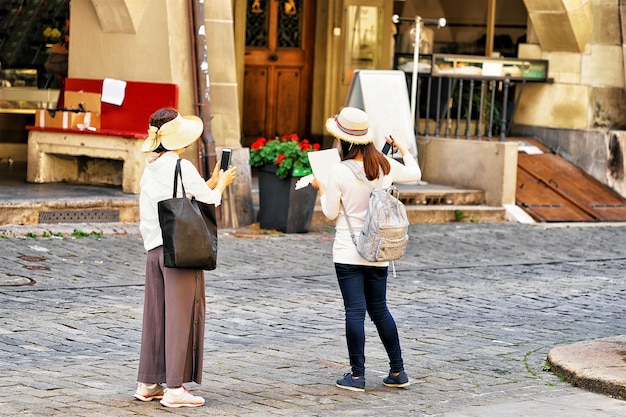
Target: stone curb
x=67, y=229
x=598, y=365
x=123, y=228
x=132, y=228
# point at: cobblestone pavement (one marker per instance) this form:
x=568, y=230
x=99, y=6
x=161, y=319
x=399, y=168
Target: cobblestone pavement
x=478, y=307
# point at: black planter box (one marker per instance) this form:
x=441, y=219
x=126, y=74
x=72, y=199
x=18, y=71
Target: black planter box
x=281, y=207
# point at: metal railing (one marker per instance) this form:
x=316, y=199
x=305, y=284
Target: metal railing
x=463, y=107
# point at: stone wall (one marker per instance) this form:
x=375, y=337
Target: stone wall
x=484, y=165
x=588, y=78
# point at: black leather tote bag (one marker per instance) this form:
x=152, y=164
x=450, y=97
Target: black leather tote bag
x=189, y=229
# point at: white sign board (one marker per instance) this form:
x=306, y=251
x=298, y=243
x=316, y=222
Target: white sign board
x=384, y=96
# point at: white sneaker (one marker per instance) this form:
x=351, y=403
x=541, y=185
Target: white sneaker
x=149, y=392
x=180, y=397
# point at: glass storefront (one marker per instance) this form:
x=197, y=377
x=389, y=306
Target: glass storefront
x=363, y=25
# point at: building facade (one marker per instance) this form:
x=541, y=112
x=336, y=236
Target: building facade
x=579, y=114
x=278, y=67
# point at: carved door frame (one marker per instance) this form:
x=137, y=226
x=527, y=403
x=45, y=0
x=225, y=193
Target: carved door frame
x=278, y=68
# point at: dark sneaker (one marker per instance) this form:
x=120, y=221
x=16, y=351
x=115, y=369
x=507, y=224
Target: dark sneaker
x=347, y=382
x=402, y=380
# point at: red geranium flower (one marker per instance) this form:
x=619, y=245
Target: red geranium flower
x=259, y=143
x=291, y=136
x=305, y=146
x=288, y=152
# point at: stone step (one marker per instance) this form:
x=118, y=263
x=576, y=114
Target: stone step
x=430, y=203
x=27, y=203
x=423, y=193
x=433, y=194
x=435, y=214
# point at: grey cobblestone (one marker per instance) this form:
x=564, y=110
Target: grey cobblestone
x=478, y=307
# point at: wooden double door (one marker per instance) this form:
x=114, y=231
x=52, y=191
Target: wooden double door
x=278, y=68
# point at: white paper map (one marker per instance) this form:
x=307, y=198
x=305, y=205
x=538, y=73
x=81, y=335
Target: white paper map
x=321, y=162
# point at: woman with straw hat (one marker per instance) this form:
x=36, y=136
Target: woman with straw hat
x=172, y=340
x=363, y=284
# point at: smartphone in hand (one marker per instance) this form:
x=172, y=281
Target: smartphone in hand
x=225, y=162
x=388, y=146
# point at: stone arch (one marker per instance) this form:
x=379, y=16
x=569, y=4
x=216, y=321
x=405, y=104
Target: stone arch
x=561, y=25
x=119, y=16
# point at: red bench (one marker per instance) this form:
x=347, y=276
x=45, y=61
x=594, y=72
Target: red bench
x=131, y=118
x=116, y=144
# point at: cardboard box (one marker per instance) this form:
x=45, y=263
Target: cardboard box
x=67, y=119
x=90, y=103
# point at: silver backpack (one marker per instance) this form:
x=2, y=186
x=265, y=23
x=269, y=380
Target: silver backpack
x=384, y=236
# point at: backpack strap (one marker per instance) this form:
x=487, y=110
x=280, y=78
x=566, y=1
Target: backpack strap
x=349, y=225
x=361, y=176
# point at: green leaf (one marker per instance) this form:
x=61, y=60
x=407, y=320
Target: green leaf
x=295, y=162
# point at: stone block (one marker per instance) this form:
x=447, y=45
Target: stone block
x=529, y=51
x=563, y=63
x=604, y=67
x=564, y=67
x=545, y=5
x=581, y=24
x=566, y=29
x=567, y=78
x=606, y=3
x=606, y=24
x=237, y=208
x=222, y=46
x=609, y=107
x=221, y=10
x=624, y=60
x=464, y=163
x=82, y=158
x=554, y=31
x=571, y=5
x=224, y=107
x=616, y=170
x=554, y=106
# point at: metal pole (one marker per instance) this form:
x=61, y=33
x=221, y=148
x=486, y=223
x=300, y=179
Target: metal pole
x=416, y=52
x=491, y=23
x=469, y=110
x=202, y=84
x=503, y=116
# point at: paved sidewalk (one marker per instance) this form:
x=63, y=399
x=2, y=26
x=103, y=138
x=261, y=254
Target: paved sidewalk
x=478, y=307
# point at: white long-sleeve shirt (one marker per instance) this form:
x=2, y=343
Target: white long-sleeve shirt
x=157, y=184
x=344, y=186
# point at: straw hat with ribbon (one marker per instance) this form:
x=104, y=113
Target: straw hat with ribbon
x=178, y=133
x=351, y=125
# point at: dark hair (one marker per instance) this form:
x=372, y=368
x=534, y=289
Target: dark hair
x=373, y=160
x=162, y=116
x=159, y=118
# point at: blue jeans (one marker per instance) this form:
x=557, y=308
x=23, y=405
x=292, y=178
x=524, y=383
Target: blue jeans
x=364, y=288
